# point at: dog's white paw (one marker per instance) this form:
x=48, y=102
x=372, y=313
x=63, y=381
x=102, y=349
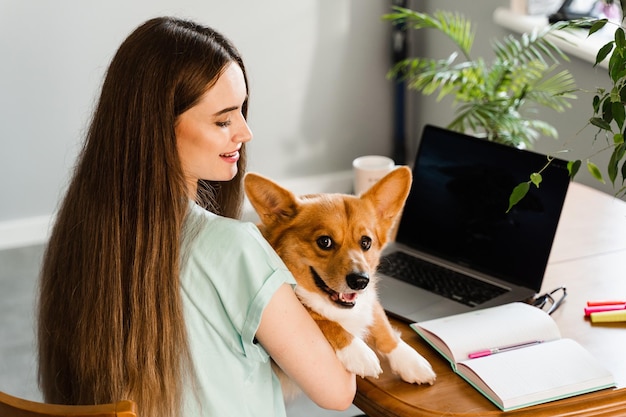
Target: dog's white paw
x=410, y=365
x=359, y=359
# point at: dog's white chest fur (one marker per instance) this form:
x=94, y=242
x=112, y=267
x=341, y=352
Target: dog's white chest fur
x=355, y=320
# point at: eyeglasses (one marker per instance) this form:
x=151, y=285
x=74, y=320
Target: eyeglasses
x=550, y=301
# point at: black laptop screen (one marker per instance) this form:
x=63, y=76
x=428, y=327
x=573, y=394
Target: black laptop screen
x=457, y=206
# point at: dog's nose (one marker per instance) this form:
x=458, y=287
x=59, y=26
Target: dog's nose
x=357, y=280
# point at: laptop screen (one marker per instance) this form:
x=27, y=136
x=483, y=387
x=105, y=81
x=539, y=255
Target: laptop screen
x=456, y=209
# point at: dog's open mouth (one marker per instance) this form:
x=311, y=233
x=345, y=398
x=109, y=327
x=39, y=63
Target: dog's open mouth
x=346, y=300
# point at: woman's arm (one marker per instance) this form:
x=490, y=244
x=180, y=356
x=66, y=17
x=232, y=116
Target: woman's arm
x=297, y=345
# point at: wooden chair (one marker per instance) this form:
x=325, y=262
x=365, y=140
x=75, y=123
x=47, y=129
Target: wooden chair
x=16, y=407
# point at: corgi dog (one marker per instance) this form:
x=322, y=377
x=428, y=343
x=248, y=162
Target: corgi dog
x=332, y=243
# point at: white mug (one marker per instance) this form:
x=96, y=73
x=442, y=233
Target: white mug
x=368, y=170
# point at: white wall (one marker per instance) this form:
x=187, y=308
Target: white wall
x=319, y=96
x=317, y=69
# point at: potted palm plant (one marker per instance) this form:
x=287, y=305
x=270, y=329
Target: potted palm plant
x=496, y=100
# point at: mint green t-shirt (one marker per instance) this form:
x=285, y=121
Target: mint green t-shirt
x=229, y=274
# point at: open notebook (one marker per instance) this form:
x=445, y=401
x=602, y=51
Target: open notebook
x=514, y=355
x=456, y=248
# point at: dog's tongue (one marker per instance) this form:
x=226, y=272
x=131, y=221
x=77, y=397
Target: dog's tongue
x=348, y=297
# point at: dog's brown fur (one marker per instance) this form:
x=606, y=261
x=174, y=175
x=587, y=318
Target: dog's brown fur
x=332, y=243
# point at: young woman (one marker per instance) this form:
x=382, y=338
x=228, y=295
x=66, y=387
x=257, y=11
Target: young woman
x=150, y=290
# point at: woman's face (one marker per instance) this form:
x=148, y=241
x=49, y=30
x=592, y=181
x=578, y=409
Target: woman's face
x=209, y=135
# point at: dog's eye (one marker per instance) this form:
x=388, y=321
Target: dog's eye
x=325, y=242
x=366, y=242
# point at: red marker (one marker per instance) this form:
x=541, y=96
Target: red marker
x=605, y=302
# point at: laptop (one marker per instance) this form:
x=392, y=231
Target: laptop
x=456, y=248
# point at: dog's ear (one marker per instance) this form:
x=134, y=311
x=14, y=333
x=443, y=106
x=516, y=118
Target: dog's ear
x=271, y=202
x=389, y=193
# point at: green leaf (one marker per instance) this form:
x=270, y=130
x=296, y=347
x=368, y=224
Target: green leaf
x=596, y=103
x=536, y=178
x=616, y=65
x=616, y=156
x=597, y=25
x=614, y=96
x=607, y=111
x=619, y=114
x=454, y=25
x=603, y=53
x=517, y=194
x=573, y=167
x=535, y=46
x=599, y=122
x=620, y=39
x=595, y=171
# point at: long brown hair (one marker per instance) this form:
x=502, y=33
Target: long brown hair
x=110, y=321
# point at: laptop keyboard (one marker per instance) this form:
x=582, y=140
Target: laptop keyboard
x=437, y=279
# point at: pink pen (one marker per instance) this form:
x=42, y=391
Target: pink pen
x=492, y=351
x=607, y=307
